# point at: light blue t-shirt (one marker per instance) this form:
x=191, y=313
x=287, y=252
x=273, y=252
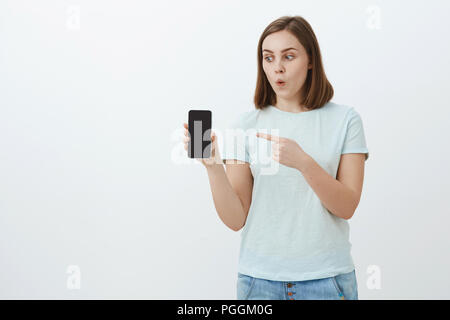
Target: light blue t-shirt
x=289, y=235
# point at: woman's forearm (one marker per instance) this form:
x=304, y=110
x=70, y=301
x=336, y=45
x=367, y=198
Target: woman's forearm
x=334, y=195
x=227, y=203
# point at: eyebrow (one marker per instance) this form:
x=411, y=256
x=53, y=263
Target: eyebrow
x=281, y=51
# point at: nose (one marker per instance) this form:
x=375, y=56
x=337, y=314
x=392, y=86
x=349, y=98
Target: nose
x=279, y=68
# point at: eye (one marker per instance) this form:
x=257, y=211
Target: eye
x=286, y=56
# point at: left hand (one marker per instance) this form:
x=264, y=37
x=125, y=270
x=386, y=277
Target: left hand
x=286, y=151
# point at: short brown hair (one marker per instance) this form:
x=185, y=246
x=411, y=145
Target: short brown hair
x=317, y=88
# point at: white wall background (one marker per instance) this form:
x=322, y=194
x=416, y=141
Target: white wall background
x=93, y=95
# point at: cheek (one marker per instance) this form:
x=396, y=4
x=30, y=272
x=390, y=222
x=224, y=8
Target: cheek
x=301, y=67
x=300, y=71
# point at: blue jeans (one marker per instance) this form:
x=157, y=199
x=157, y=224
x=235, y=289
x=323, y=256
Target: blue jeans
x=340, y=287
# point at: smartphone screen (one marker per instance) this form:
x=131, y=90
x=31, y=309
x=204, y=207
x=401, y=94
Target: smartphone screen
x=199, y=125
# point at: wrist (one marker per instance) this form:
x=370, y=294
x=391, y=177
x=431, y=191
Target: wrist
x=213, y=167
x=304, y=163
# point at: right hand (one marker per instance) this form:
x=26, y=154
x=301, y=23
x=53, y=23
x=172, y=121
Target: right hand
x=215, y=156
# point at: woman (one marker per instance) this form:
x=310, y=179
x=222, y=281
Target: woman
x=293, y=202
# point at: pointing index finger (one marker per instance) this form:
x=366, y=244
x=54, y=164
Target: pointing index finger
x=268, y=136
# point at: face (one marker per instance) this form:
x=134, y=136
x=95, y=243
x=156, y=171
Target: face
x=290, y=66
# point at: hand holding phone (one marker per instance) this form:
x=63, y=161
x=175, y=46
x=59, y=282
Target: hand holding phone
x=200, y=141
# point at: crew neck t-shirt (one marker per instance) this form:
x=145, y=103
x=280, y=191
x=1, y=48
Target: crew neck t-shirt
x=289, y=235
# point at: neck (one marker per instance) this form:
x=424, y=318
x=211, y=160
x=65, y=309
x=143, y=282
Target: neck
x=290, y=105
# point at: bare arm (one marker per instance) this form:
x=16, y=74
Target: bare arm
x=232, y=192
x=341, y=195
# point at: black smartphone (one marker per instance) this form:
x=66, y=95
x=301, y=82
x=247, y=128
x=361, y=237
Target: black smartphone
x=199, y=125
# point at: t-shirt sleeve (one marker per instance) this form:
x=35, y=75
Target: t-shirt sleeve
x=355, y=141
x=235, y=144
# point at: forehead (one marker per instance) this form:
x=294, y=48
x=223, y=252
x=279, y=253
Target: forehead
x=280, y=40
